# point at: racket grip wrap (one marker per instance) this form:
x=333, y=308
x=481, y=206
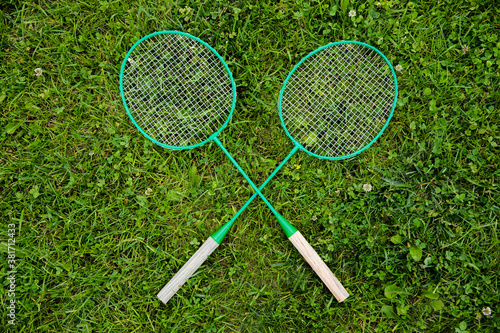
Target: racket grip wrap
x=189, y=268
x=319, y=266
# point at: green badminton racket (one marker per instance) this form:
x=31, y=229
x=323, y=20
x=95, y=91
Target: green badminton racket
x=180, y=94
x=335, y=103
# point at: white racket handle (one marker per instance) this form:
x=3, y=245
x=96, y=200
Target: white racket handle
x=187, y=270
x=314, y=260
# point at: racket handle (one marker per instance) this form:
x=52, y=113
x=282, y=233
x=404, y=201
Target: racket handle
x=314, y=260
x=187, y=270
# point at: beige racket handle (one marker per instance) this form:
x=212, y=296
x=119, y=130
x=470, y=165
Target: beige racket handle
x=314, y=260
x=187, y=270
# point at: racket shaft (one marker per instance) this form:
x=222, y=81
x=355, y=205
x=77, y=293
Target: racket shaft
x=314, y=260
x=187, y=270
x=256, y=189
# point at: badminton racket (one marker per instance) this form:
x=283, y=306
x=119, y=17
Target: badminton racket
x=180, y=94
x=335, y=103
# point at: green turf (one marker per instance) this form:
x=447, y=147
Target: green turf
x=418, y=253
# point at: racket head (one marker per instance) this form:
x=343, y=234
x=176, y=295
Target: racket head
x=177, y=89
x=334, y=105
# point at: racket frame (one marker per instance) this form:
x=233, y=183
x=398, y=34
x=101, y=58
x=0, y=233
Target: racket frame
x=122, y=70
x=295, y=142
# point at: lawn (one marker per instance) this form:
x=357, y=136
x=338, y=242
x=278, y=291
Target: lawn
x=103, y=218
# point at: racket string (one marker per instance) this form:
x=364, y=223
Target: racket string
x=357, y=74
x=177, y=90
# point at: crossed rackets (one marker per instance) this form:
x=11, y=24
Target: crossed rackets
x=335, y=103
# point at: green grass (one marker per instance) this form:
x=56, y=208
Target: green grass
x=419, y=253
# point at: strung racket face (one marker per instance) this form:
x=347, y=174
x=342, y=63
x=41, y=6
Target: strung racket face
x=338, y=100
x=177, y=90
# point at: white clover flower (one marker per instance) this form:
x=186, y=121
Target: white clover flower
x=486, y=311
x=91, y=153
x=379, y=4
x=148, y=191
x=465, y=49
x=314, y=218
x=38, y=71
x=367, y=187
x=399, y=68
x=352, y=13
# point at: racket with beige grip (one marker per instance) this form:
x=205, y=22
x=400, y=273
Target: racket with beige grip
x=335, y=103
